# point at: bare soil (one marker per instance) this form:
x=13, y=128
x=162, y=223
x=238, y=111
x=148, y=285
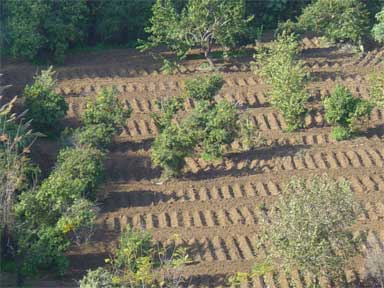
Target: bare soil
x=215, y=208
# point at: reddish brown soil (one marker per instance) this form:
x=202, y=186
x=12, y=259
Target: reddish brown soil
x=215, y=208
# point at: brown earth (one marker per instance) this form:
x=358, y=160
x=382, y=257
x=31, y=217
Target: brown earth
x=215, y=208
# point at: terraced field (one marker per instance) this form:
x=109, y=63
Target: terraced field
x=215, y=208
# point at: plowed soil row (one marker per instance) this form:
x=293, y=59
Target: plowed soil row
x=215, y=208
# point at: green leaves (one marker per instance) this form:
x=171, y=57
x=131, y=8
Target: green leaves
x=206, y=130
x=278, y=65
x=376, y=89
x=378, y=29
x=338, y=20
x=201, y=23
x=309, y=227
x=344, y=110
x=45, y=107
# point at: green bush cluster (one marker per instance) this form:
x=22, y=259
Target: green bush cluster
x=207, y=129
x=278, y=65
x=378, y=28
x=63, y=206
x=309, y=228
x=337, y=20
x=138, y=262
x=344, y=110
x=39, y=28
x=45, y=106
x=377, y=89
x=102, y=118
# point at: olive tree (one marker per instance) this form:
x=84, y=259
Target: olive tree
x=201, y=24
x=378, y=28
x=309, y=227
x=279, y=66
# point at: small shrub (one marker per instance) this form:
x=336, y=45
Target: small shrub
x=95, y=135
x=203, y=88
x=340, y=133
x=279, y=67
x=344, y=110
x=378, y=29
x=376, y=90
x=168, y=109
x=99, y=278
x=45, y=107
x=338, y=20
x=79, y=220
x=171, y=147
x=106, y=109
x=309, y=227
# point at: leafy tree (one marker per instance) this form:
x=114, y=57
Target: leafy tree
x=279, y=66
x=119, y=21
x=102, y=118
x=40, y=27
x=338, y=20
x=377, y=89
x=206, y=131
x=201, y=23
x=137, y=263
x=309, y=227
x=378, y=29
x=344, y=110
x=45, y=106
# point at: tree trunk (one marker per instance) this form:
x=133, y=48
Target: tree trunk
x=207, y=53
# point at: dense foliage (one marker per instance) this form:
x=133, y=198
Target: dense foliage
x=309, y=227
x=378, y=29
x=45, y=106
x=338, y=20
x=201, y=24
x=38, y=28
x=278, y=65
x=344, y=110
x=61, y=211
x=207, y=130
x=376, y=90
x=137, y=262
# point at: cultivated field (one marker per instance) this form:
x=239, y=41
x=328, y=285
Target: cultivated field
x=215, y=208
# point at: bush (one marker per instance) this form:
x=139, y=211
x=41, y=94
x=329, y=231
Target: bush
x=207, y=130
x=378, y=29
x=38, y=28
x=344, y=110
x=309, y=227
x=77, y=173
x=375, y=263
x=171, y=147
x=96, y=135
x=106, y=109
x=79, y=220
x=278, y=65
x=45, y=107
x=168, y=109
x=203, y=88
x=338, y=20
x=99, y=278
x=376, y=90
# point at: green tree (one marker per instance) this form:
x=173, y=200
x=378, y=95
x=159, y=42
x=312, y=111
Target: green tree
x=43, y=27
x=378, y=29
x=376, y=90
x=344, y=110
x=309, y=227
x=279, y=66
x=338, y=20
x=201, y=24
x=45, y=106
